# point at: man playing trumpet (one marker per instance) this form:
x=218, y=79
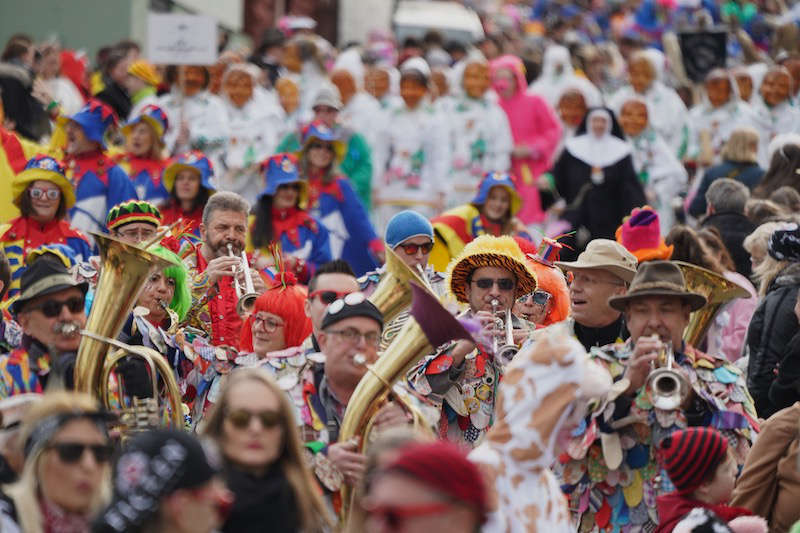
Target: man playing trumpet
x=213, y=264
x=612, y=462
x=489, y=275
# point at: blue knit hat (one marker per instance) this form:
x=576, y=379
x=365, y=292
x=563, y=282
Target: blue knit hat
x=194, y=160
x=95, y=118
x=405, y=225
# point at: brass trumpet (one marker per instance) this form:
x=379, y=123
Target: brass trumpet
x=247, y=296
x=667, y=388
x=507, y=351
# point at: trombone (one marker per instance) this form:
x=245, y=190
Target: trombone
x=246, y=297
x=506, y=352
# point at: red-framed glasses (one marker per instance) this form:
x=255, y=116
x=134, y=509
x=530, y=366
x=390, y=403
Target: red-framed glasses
x=328, y=297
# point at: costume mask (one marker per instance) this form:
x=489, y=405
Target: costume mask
x=440, y=81
x=288, y=95
x=745, y=84
x=344, y=81
x=633, y=118
x=238, y=86
x=719, y=91
x=641, y=74
x=476, y=79
x=412, y=92
x=194, y=80
x=572, y=108
x=776, y=87
x=376, y=82
x=291, y=59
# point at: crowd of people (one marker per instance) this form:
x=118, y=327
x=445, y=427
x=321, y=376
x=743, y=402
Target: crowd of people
x=545, y=281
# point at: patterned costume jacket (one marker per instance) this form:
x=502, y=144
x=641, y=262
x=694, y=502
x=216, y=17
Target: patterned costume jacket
x=24, y=369
x=611, y=491
x=145, y=174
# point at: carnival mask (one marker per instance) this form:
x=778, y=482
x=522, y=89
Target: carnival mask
x=476, y=79
x=344, y=81
x=376, y=82
x=288, y=95
x=238, y=86
x=412, y=92
x=633, y=118
x=572, y=108
x=195, y=80
x=776, y=87
x=641, y=74
x=719, y=91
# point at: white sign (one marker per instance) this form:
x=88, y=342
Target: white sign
x=181, y=39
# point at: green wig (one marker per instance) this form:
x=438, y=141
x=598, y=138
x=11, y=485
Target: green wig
x=182, y=298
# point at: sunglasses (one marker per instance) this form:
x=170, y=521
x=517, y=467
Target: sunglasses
x=504, y=284
x=539, y=297
x=240, y=418
x=50, y=194
x=327, y=297
x=52, y=308
x=394, y=516
x=72, y=452
x=411, y=249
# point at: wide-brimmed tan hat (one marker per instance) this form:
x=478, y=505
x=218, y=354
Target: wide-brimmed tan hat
x=658, y=278
x=607, y=255
x=488, y=251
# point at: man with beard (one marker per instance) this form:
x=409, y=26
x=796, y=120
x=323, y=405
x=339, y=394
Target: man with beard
x=212, y=264
x=462, y=376
x=50, y=310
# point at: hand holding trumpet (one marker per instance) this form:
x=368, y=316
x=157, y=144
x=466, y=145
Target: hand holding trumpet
x=645, y=352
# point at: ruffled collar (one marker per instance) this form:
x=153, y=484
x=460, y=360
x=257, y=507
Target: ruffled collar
x=598, y=152
x=288, y=222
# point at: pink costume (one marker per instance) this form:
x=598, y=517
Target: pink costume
x=534, y=124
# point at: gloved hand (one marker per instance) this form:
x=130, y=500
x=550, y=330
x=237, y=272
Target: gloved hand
x=135, y=377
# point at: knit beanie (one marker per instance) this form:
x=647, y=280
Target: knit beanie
x=640, y=234
x=445, y=468
x=690, y=455
x=405, y=225
x=784, y=244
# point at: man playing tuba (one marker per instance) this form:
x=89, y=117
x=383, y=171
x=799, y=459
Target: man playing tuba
x=489, y=275
x=662, y=385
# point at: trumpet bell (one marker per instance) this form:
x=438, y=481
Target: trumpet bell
x=717, y=290
x=667, y=389
x=245, y=304
x=392, y=296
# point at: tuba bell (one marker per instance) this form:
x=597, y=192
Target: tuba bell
x=392, y=296
x=124, y=271
x=717, y=291
x=430, y=325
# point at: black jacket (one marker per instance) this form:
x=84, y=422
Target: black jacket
x=734, y=228
x=785, y=390
x=262, y=503
x=116, y=97
x=28, y=114
x=771, y=329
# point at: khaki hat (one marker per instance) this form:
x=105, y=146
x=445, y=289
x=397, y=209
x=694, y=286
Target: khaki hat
x=658, y=278
x=607, y=255
x=328, y=96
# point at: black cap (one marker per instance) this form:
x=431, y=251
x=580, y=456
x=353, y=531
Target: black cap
x=45, y=276
x=354, y=304
x=154, y=464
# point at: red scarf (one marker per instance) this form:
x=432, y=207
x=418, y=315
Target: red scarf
x=317, y=187
x=287, y=222
x=57, y=520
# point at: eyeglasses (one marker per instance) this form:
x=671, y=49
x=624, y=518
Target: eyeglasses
x=138, y=234
x=394, y=516
x=539, y=297
x=504, y=284
x=353, y=336
x=266, y=323
x=71, y=452
x=52, y=308
x=327, y=297
x=589, y=280
x=411, y=248
x=240, y=418
x=50, y=194
x=320, y=145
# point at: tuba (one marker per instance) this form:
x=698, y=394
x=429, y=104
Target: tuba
x=125, y=269
x=430, y=325
x=392, y=296
x=717, y=291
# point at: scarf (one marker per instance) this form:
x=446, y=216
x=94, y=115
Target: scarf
x=262, y=502
x=57, y=520
x=288, y=222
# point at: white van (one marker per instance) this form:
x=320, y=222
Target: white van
x=414, y=18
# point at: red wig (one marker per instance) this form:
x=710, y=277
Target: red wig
x=550, y=279
x=285, y=299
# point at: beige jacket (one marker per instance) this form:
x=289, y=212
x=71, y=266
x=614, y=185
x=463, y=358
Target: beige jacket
x=770, y=481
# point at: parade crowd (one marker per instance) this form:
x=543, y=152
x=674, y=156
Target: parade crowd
x=545, y=281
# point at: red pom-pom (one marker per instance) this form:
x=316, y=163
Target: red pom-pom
x=284, y=279
x=171, y=243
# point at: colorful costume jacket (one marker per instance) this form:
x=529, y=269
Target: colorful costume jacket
x=352, y=236
x=301, y=236
x=213, y=306
x=25, y=234
x=610, y=471
x=173, y=212
x=457, y=227
x=24, y=369
x=465, y=395
x=99, y=186
x=145, y=174
x=356, y=165
x=10, y=334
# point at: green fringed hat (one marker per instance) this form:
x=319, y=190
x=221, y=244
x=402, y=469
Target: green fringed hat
x=132, y=211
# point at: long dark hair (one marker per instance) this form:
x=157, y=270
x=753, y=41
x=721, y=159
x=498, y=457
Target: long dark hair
x=261, y=234
x=782, y=171
x=199, y=201
x=26, y=205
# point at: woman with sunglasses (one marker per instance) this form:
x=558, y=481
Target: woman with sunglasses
x=65, y=479
x=43, y=194
x=333, y=200
x=491, y=212
x=282, y=221
x=143, y=159
x=549, y=303
x=254, y=425
x=188, y=181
